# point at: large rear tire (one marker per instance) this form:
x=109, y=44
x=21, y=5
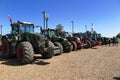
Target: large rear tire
x=74, y=45
x=25, y=53
x=5, y=48
x=60, y=46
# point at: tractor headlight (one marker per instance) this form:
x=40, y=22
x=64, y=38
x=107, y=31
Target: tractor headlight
x=78, y=40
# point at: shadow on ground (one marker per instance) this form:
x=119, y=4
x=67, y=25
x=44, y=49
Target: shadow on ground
x=94, y=48
x=14, y=62
x=41, y=63
x=116, y=78
x=10, y=62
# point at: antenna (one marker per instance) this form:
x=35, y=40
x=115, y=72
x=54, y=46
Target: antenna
x=86, y=28
x=72, y=26
x=92, y=27
x=10, y=19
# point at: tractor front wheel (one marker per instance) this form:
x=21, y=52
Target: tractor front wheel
x=25, y=53
x=60, y=46
x=48, y=54
x=89, y=44
x=74, y=46
x=5, y=48
x=67, y=47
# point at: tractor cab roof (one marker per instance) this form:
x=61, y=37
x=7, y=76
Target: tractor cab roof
x=20, y=22
x=25, y=22
x=48, y=29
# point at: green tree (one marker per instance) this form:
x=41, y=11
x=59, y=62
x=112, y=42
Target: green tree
x=94, y=32
x=88, y=32
x=59, y=27
x=118, y=35
x=0, y=38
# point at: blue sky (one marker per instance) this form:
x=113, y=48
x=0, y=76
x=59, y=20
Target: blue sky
x=104, y=14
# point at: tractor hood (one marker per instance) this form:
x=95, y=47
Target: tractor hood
x=58, y=39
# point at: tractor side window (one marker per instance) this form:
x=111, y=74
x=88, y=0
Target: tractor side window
x=46, y=33
x=52, y=33
x=22, y=29
x=15, y=30
x=31, y=28
x=27, y=29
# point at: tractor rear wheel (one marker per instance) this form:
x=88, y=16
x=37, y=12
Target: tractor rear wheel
x=48, y=54
x=51, y=44
x=5, y=48
x=74, y=45
x=60, y=46
x=25, y=53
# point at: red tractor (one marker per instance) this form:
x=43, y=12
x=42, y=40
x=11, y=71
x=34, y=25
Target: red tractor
x=77, y=44
x=87, y=41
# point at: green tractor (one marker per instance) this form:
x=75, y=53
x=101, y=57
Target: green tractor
x=52, y=35
x=23, y=42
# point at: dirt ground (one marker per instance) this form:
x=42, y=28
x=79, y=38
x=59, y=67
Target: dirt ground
x=99, y=63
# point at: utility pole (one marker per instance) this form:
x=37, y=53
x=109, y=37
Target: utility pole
x=92, y=28
x=86, y=28
x=72, y=26
x=46, y=19
x=1, y=28
x=43, y=19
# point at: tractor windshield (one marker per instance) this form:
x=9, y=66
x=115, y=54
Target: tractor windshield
x=50, y=33
x=26, y=28
x=65, y=34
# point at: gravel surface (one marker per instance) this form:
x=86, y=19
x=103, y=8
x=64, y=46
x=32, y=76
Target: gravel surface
x=99, y=63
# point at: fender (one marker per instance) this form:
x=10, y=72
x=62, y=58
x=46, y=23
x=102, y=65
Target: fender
x=10, y=37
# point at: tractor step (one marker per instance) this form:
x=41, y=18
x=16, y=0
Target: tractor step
x=56, y=50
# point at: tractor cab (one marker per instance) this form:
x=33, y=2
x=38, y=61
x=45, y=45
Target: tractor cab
x=53, y=35
x=22, y=27
x=48, y=32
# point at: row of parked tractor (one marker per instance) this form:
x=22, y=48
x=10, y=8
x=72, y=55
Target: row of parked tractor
x=23, y=42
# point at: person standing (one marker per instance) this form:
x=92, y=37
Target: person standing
x=109, y=41
x=113, y=41
x=116, y=41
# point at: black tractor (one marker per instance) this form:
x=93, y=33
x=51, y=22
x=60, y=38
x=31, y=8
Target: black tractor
x=23, y=42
